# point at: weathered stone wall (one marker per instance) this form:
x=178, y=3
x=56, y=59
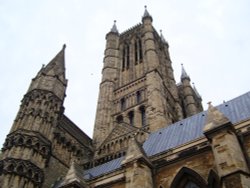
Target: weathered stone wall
x=55, y=171
x=201, y=163
x=247, y=146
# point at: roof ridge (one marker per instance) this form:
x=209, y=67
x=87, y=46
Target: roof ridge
x=130, y=29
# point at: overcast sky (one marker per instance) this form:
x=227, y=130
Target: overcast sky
x=210, y=37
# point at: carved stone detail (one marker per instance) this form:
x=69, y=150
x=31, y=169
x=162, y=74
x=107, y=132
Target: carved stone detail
x=40, y=103
x=22, y=168
x=77, y=149
x=28, y=139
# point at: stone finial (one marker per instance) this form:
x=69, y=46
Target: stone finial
x=114, y=28
x=184, y=74
x=196, y=92
x=163, y=38
x=64, y=46
x=146, y=14
x=215, y=118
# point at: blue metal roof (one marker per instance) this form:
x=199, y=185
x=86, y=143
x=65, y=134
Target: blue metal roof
x=191, y=128
x=180, y=133
x=103, y=168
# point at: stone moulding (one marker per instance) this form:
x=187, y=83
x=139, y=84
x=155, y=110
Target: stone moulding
x=28, y=139
x=22, y=168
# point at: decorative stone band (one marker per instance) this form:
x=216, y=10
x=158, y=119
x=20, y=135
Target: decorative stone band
x=39, y=103
x=72, y=146
x=28, y=139
x=22, y=168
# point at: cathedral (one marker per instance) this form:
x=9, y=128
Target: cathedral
x=150, y=131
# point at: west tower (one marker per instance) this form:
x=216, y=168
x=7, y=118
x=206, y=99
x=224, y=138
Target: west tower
x=27, y=149
x=138, y=88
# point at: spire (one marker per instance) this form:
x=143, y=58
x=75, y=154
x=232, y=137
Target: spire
x=114, y=28
x=163, y=38
x=184, y=74
x=56, y=67
x=214, y=119
x=196, y=92
x=146, y=14
x=52, y=76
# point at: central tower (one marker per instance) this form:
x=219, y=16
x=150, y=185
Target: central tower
x=138, y=87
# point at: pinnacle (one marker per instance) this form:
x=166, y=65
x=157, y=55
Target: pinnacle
x=163, y=38
x=146, y=14
x=215, y=118
x=184, y=74
x=114, y=28
x=56, y=67
x=196, y=92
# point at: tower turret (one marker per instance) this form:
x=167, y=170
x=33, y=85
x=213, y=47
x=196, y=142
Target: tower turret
x=191, y=101
x=157, y=78
x=103, y=122
x=138, y=86
x=146, y=16
x=27, y=148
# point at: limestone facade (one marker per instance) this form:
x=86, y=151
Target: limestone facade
x=149, y=132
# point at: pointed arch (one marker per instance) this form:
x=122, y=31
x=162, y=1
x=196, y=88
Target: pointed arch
x=213, y=179
x=186, y=178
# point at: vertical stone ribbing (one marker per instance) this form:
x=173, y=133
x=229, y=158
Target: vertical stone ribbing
x=189, y=100
x=155, y=111
x=103, y=122
x=27, y=149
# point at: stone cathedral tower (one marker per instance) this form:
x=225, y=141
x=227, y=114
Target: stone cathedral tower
x=28, y=146
x=138, y=87
x=149, y=131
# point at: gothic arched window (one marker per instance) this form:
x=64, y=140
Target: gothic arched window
x=127, y=54
x=138, y=96
x=191, y=184
x=213, y=180
x=138, y=50
x=123, y=59
x=131, y=118
x=143, y=116
x=123, y=104
x=187, y=178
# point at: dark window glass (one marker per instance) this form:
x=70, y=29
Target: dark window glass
x=119, y=119
x=131, y=118
x=143, y=116
x=191, y=184
x=123, y=104
x=138, y=96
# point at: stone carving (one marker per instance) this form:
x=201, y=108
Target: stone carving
x=22, y=168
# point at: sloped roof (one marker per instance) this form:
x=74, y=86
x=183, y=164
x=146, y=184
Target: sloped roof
x=191, y=128
x=103, y=168
x=186, y=130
